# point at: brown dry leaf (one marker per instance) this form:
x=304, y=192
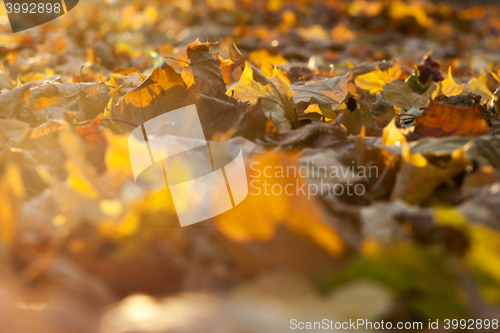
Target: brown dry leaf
x=314, y=135
x=372, y=115
x=400, y=94
x=275, y=94
x=206, y=68
x=219, y=114
x=439, y=120
x=325, y=93
x=254, y=124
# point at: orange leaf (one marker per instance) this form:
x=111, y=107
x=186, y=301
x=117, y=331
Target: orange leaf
x=439, y=120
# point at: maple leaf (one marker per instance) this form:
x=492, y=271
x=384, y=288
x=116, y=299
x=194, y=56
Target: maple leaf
x=206, y=68
x=254, y=124
x=325, y=93
x=448, y=87
x=164, y=90
x=439, y=120
x=275, y=94
x=375, y=80
x=400, y=94
x=218, y=115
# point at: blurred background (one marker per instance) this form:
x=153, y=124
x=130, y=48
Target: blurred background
x=117, y=33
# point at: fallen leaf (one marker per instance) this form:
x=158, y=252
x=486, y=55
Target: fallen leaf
x=400, y=94
x=315, y=135
x=206, y=68
x=439, y=120
x=254, y=124
x=448, y=87
x=375, y=80
x=392, y=135
x=164, y=90
x=219, y=114
x=325, y=93
x=275, y=94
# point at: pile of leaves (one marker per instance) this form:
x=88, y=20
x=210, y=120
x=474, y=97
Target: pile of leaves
x=294, y=84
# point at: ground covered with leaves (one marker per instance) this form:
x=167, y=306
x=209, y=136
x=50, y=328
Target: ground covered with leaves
x=407, y=89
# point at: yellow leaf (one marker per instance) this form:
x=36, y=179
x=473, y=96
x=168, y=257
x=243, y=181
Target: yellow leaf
x=275, y=94
x=374, y=81
x=224, y=62
x=393, y=135
x=448, y=87
x=163, y=78
x=188, y=76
